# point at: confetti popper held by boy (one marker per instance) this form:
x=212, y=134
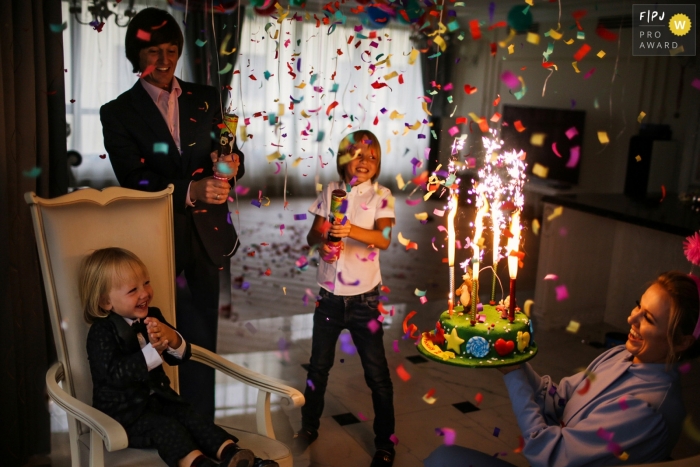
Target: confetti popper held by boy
x=350, y=285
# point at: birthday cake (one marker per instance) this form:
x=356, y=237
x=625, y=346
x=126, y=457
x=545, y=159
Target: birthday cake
x=493, y=341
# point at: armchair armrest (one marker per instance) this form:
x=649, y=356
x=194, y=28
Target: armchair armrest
x=111, y=432
x=266, y=386
x=290, y=396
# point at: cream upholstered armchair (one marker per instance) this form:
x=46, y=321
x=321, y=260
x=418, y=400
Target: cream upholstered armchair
x=69, y=227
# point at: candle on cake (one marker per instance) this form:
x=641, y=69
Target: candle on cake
x=451, y=239
x=513, y=246
x=482, y=209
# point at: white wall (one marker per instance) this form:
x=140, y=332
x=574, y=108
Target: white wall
x=648, y=84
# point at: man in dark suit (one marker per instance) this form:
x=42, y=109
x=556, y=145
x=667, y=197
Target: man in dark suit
x=164, y=131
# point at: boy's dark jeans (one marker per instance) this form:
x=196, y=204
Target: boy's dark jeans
x=333, y=314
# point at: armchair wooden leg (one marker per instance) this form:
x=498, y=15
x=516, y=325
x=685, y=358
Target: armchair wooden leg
x=263, y=416
x=74, y=441
x=97, y=453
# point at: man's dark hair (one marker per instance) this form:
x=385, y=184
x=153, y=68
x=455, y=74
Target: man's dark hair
x=161, y=26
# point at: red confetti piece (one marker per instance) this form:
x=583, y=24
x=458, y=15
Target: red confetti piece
x=159, y=26
x=385, y=289
x=497, y=100
x=333, y=105
x=103, y=156
x=585, y=388
x=402, y=373
x=555, y=150
x=149, y=69
x=521, y=444
x=479, y=398
x=268, y=272
x=585, y=48
x=663, y=192
x=474, y=29
x=469, y=89
x=143, y=35
x=605, y=34
x=198, y=171
x=519, y=126
x=401, y=76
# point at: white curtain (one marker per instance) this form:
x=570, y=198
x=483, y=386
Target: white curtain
x=265, y=83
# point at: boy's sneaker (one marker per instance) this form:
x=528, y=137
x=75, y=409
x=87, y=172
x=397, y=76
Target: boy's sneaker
x=235, y=456
x=302, y=440
x=382, y=458
x=265, y=463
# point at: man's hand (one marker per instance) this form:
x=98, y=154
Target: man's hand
x=161, y=335
x=210, y=190
x=225, y=166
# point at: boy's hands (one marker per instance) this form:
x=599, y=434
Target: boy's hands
x=161, y=336
x=340, y=230
x=330, y=252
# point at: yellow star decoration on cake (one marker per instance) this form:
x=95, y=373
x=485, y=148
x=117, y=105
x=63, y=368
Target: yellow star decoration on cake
x=679, y=24
x=453, y=340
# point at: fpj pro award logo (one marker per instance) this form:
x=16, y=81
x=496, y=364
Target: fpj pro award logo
x=663, y=30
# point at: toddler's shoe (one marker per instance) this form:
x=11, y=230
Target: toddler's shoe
x=235, y=456
x=382, y=458
x=302, y=440
x=265, y=463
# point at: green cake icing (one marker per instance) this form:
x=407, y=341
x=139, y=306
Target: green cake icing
x=479, y=345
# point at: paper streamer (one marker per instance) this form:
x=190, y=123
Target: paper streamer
x=574, y=154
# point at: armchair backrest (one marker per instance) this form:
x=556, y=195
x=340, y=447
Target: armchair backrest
x=68, y=228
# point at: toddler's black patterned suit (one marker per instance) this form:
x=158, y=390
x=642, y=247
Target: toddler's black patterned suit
x=142, y=401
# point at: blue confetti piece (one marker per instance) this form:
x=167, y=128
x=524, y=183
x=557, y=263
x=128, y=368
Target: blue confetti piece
x=143, y=182
x=200, y=42
x=299, y=217
x=58, y=27
x=310, y=384
x=320, y=136
x=255, y=202
x=343, y=206
x=160, y=148
x=245, y=285
x=335, y=87
x=228, y=218
x=267, y=75
x=386, y=232
x=496, y=432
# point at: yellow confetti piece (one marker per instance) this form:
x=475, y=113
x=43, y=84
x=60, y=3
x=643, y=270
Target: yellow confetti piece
x=416, y=125
x=507, y=40
x=301, y=85
x=296, y=162
x=403, y=241
x=677, y=50
x=429, y=400
x=243, y=130
x=266, y=203
x=575, y=65
x=511, y=49
x=573, y=326
x=603, y=137
x=388, y=146
x=304, y=114
x=399, y=182
x=390, y=201
x=421, y=216
x=533, y=38
x=535, y=226
x=601, y=54
x=474, y=116
x=569, y=42
x=690, y=429
x=413, y=57
x=540, y=170
x=222, y=49
x=274, y=156
x=440, y=42
x=425, y=108
x=556, y=213
x=428, y=195
x=537, y=139
x=395, y=115
x=624, y=456
x=344, y=159
x=641, y=116
x=280, y=110
x=319, y=187
x=638, y=158
x=284, y=289
x=393, y=74
x=530, y=2
x=555, y=35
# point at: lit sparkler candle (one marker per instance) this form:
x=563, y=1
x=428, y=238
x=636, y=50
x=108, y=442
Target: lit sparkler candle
x=483, y=207
x=513, y=247
x=496, y=217
x=451, y=248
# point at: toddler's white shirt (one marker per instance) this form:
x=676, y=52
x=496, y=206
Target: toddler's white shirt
x=366, y=204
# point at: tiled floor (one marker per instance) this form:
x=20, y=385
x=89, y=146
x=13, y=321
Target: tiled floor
x=268, y=329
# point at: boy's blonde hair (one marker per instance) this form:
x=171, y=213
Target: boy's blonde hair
x=347, y=147
x=99, y=272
